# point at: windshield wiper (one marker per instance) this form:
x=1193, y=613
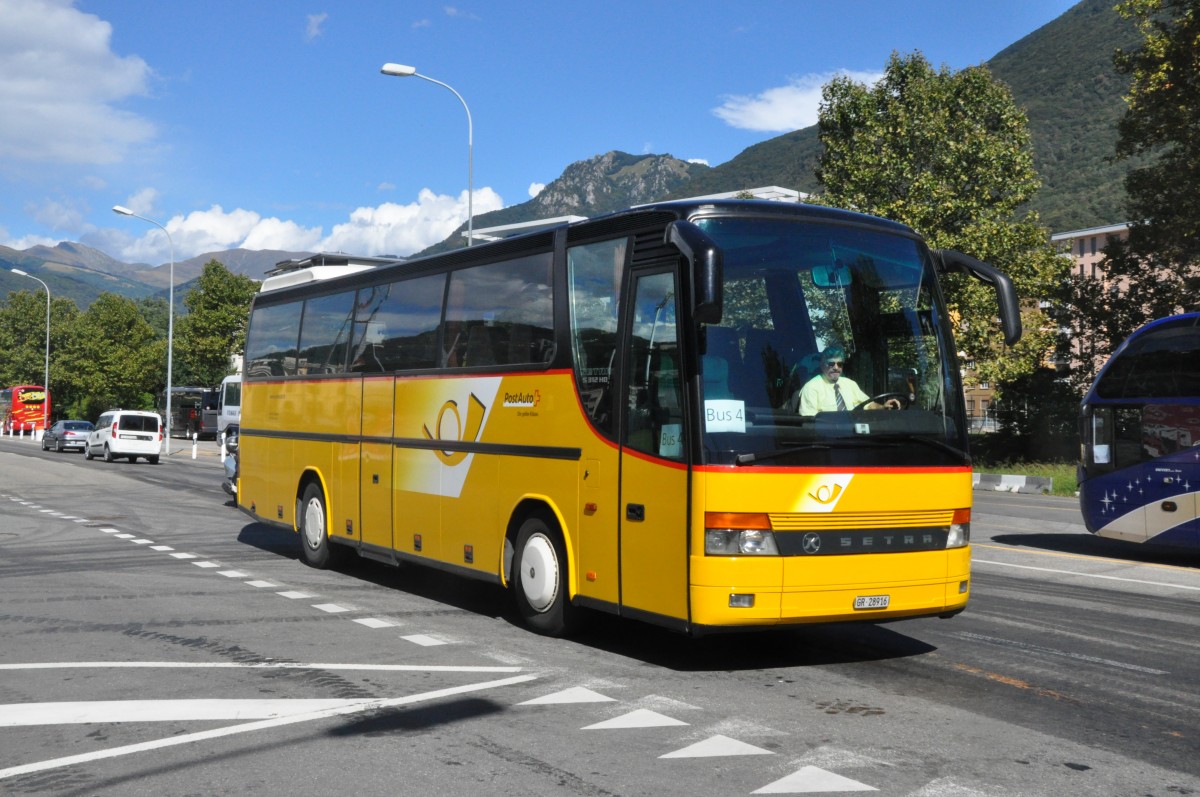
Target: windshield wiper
x=963, y=456
x=746, y=459
x=892, y=440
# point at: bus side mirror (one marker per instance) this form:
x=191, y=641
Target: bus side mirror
x=1006, y=295
x=706, y=261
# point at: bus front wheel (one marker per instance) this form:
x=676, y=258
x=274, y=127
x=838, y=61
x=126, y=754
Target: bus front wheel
x=540, y=578
x=314, y=528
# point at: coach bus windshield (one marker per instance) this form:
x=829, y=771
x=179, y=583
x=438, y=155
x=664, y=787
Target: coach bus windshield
x=808, y=306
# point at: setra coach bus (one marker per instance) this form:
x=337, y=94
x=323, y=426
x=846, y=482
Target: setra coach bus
x=604, y=415
x=1139, y=471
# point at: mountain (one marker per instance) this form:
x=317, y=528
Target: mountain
x=80, y=273
x=1062, y=74
x=601, y=184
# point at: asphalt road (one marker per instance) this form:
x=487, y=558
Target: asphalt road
x=154, y=642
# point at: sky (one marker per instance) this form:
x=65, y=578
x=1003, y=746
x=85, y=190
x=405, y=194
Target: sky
x=268, y=125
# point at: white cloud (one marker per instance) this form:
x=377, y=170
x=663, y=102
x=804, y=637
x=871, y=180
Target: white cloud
x=60, y=83
x=454, y=11
x=143, y=201
x=701, y=161
x=389, y=228
x=536, y=188
x=312, y=28
x=401, y=230
x=784, y=108
x=58, y=216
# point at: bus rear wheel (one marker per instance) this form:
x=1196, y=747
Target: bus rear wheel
x=314, y=528
x=539, y=579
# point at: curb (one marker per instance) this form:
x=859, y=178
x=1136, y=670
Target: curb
x=1037, y=485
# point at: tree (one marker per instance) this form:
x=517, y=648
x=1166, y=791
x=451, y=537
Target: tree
x=948, y=153
x=112, y=358
x=214, y=328
x=23, y=344
x=1156, y=271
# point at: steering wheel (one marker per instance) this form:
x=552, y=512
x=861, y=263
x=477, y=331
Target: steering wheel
x=905, y=402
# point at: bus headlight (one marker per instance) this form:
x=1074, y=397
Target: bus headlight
x=960, y=535
x=732, y=542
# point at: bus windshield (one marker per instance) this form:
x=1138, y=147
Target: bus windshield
x=867, y=300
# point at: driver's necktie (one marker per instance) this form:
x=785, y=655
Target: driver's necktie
x=837, y=395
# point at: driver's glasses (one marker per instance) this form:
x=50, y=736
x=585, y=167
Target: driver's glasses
x=834, y=364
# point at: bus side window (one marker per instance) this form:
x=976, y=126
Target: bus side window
x=594, y=274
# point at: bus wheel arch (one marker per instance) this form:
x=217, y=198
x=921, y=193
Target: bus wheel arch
x=312, y=523
x=538, y=570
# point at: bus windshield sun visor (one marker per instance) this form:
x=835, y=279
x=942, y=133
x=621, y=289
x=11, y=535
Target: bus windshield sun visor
x=1006, y=295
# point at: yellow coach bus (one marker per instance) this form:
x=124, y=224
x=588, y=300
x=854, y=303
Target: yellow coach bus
x=607, y=415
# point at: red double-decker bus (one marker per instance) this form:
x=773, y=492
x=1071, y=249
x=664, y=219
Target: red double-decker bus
x=24, y=408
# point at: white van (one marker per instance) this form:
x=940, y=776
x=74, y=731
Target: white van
x=229, y=403
x=126, y=433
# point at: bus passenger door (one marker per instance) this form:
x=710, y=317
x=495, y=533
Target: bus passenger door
x=375, y=530
x=1171, y=475
x=653, y=507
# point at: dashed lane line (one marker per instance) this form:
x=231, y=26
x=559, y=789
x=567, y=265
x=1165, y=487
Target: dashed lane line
x=423, y=640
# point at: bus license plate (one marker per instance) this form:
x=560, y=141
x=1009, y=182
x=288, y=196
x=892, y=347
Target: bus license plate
x=871, y=601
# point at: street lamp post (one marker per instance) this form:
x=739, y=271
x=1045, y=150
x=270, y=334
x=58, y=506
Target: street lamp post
x=400, y=70
x=45, y=384
x=170, y=314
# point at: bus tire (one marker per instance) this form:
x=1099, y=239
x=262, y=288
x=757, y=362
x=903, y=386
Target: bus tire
x=539, y=579
x=313, y=525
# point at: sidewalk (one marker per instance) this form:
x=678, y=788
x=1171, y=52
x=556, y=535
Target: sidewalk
x=1037, y=485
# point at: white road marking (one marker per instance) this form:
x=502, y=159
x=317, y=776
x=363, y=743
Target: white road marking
x=1087, y=575
x=77, y=713
x=111, y=531
x=161, y=548
x=216, y=733
x=424, y=640
x=640, y=718
x=809, y=780
x=124, y=536
x=374, y=622
x=576, y=694
x=332, y=608
x=294, y=595
x=185, y=556
x=261, y=584
x=717, y=746
x=232, y=573
x=141, y=542
x=206, y=565
x=262, y=665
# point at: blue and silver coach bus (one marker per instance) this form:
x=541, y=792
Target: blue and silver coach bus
x=1139, y=470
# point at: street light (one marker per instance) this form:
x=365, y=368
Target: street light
x=170, y=312
x=45, y=384
x=400, y=70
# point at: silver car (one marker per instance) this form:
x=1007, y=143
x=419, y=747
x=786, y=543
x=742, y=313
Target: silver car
x=66, y=435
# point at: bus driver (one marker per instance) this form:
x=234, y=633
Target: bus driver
x=829, y=391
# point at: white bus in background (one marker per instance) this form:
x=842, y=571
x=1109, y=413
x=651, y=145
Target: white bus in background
x=229, y=403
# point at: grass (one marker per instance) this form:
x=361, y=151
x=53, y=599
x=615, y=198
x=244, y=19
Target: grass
x=1062, y=473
